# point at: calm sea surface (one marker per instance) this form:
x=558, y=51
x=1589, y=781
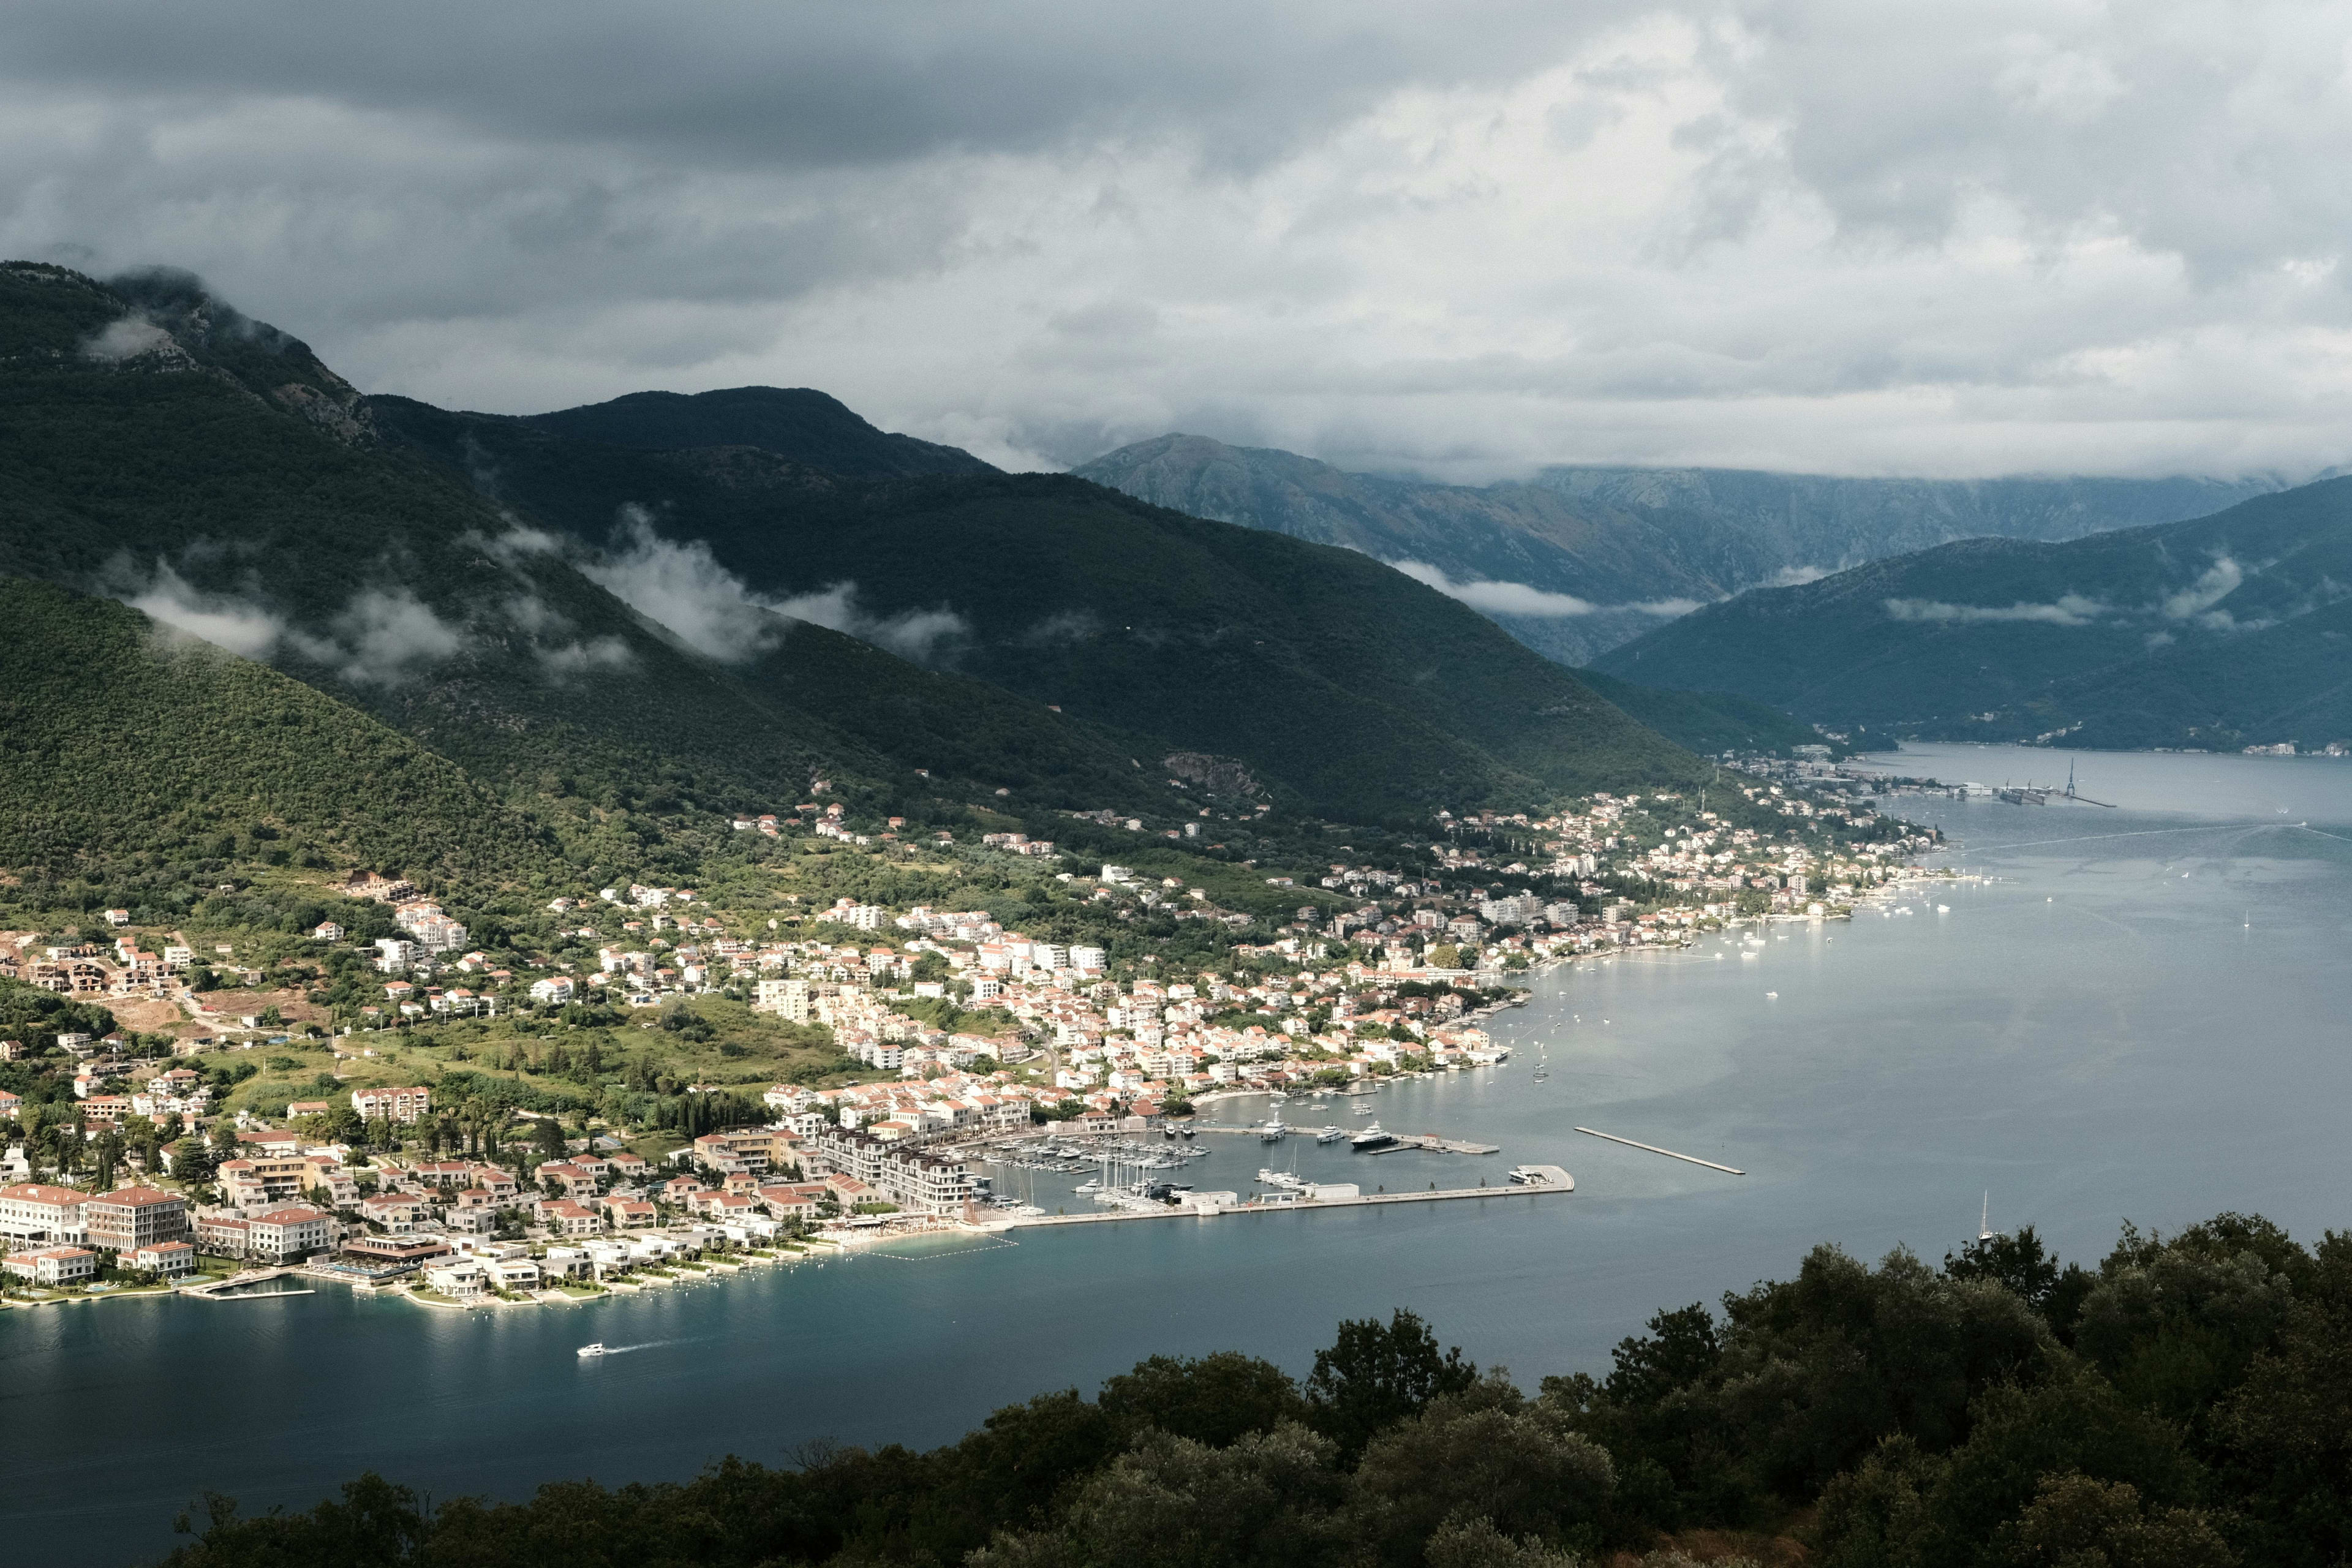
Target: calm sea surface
x=2141, y=1012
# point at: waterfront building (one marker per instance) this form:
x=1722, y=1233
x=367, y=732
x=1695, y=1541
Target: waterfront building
x=52, y=1266
x=169, y=1260
x=283, y=1236
x=897, y=1172
x=129, y=1218
x=36, y=1212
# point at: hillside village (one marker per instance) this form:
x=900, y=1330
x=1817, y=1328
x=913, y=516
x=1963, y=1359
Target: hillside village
x=510, y=1166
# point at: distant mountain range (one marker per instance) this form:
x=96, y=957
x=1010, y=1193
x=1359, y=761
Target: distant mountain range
x=1579, y=560
x=2216, y=633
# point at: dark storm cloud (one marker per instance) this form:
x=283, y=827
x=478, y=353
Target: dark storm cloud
x=1467, y=239
x=804, y=86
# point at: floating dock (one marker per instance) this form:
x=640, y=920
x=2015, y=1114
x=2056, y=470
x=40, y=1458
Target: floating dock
x=1429, y=1141
x=1435, y=1144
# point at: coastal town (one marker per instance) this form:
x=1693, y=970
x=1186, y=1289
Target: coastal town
x=193, y=1147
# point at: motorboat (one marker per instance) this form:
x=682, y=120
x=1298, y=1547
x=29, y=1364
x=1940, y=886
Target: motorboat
x=596, y=1349
x=1330, y=1135
x=1371, y=1138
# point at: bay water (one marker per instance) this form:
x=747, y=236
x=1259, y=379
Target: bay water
x=2136, y=1013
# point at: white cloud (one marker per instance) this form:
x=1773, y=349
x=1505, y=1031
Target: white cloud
x=383, y=637
x=1492, y=598
x=920, y=636
x=126, y=336
x=712, y=611
x=1497, y=598
x=2070, y=610
x=684, y=588
x=240, y=625
x=2217, y=582
x=563, y=660
x=519, y=543
x=1066, y=626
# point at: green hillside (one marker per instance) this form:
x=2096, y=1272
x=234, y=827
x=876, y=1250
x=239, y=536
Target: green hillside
x=2220, y=632
x=159, y=447
x=218, y=474
x=118, y=738
x=1363, y=691
x=1709, y=721
x=193, y=486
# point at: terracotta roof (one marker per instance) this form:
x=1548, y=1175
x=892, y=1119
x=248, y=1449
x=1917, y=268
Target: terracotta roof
x=137, y=1197
x=41, y=1193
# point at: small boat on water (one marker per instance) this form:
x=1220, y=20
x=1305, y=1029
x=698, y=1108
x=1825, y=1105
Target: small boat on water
x=1330, y=1135
x=596, y=1349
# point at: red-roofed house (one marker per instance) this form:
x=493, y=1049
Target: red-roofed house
x=576, y=1182
x=168, y=1258
x=52, y=1266
x=565, y=1218
x=629, y=1214
x=797, y=1201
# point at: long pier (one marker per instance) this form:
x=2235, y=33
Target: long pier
x=1553, y=1180
x=1669, y=1153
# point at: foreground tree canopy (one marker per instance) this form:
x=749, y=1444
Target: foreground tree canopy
x=2188, y=1404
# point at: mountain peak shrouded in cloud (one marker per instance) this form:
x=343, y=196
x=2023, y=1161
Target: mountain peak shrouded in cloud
x=1788, y=234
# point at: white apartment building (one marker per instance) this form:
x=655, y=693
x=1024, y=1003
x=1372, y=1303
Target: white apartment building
x=35, y=1211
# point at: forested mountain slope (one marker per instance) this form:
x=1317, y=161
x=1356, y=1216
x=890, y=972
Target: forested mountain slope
x=2220, y=632
x=1321, y=670
x=159, y=448
x=120, y=738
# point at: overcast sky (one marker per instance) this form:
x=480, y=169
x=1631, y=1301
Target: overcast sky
x=1461, y=240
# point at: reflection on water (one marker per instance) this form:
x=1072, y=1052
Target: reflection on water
x=2134, y=1013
